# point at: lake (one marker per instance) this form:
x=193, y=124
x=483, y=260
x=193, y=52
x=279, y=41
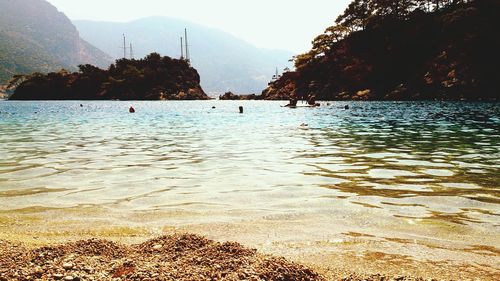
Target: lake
x=413, y=179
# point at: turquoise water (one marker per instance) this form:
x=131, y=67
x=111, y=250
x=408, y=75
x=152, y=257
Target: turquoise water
x=389, y=161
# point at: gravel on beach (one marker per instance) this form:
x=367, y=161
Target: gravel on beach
x=174, y=257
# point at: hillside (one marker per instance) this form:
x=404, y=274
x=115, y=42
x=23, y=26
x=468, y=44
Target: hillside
x=35, y=36
x=383, y=50
x=224, y=61
x=151, y=78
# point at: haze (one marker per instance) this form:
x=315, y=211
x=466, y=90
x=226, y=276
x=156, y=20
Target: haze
x=278, y=24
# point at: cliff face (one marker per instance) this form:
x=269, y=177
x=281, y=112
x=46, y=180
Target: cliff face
x=450, y=54
x=152, y=78
x=34, y=36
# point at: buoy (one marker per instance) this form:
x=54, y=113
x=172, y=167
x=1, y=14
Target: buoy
x=81, y=105
x=346, y=107
x=213, y=107
x=131, y=110
x=241, y=109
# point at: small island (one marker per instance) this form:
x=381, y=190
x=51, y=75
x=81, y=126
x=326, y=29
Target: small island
x=152, y=78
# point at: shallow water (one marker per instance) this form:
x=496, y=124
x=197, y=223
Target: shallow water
x=378, y=164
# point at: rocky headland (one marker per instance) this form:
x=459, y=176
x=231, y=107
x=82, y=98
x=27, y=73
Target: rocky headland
x=151, y=78
x=401, y=50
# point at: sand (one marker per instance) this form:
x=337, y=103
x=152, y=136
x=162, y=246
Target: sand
x=171, y=257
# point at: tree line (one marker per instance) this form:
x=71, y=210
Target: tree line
x=364, y=14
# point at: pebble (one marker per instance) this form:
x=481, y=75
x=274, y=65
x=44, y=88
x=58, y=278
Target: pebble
x=67, y=265
x=68, y=278
x=57, y=276
x=157, y=247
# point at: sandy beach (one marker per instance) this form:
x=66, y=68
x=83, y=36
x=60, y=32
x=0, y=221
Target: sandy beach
x=35, y=246
x=173, y=257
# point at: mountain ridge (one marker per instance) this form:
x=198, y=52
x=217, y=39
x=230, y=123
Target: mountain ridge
x=36, y=37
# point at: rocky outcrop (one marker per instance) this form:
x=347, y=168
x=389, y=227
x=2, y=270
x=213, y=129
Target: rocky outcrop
x=151, y=78
x=232, y=96
x=448, y=54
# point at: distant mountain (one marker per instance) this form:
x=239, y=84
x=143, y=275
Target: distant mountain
x=35, y=36
x=225, y=63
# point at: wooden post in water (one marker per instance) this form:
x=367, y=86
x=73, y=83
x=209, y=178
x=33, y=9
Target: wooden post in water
x=241, y=109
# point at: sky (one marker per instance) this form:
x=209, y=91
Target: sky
x=273, y=24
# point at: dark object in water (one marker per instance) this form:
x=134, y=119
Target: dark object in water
x=131, y=110
x=213, y=107
x=241, y=109
x=346, y=107
x=81, y=105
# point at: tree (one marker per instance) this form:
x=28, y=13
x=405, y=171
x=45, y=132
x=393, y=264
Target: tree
x=356, y=15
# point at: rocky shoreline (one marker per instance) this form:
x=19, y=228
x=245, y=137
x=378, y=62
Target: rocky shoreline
x=172, y=257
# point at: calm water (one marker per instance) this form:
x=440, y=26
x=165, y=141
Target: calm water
x=392, y=161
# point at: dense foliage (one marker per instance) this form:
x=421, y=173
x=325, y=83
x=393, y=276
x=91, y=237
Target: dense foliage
x=402, y=50
x=34, y=36
x=151, y=78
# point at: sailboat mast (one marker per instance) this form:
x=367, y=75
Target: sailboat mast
x=182, y=50
x=187, y=46
x=124, y=47
x=131, y=52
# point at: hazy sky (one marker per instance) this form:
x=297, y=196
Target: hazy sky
x=274, y=24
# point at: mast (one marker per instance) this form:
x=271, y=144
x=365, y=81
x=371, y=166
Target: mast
x=124, y=47
x=187, y=46
x=131, y=52
x=182, y=50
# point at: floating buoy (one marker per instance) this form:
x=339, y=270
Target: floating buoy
x=131, y=110
x=241, y=109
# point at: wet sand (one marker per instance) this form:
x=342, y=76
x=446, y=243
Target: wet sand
x=173, y=257
x=349, y=255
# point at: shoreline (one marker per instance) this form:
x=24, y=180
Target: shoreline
x=350, y=256
x=179, y=256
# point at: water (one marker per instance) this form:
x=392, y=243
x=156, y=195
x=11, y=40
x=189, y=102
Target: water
x=411, y=167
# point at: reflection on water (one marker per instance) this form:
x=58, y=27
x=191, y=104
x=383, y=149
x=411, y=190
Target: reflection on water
x=409, y=160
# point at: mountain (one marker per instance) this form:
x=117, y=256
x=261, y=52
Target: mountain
x=401, y=50
x=36, y=37
x=223, y=61
x=151, y=78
